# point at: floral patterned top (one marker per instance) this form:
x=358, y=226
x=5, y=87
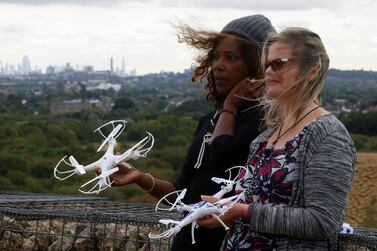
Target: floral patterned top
x=272, y=173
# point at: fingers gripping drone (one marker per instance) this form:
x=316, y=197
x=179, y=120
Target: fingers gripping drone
x=201, y=209
x=108, y=162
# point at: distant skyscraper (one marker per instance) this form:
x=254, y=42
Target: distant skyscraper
x=50, y=70
x=25, y=65
x=12, y=69
x=111, y=65
x=133, y=72
x=123, y=69
x=88, y=68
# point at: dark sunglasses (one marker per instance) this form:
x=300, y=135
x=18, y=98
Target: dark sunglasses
x=277, y=64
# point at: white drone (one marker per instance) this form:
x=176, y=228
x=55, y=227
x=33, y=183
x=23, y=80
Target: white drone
x=201, y=209
x=108, y=162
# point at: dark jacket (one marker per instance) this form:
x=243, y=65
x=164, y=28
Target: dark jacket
x=223, y=152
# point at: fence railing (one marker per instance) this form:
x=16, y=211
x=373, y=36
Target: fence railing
x=51, y=222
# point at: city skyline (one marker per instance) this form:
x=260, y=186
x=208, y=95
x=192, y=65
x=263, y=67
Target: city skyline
x=55, y=32
x=25, y=66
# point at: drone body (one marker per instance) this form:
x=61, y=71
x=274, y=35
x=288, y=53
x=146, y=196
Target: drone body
x=108, y=162
x=201, y=209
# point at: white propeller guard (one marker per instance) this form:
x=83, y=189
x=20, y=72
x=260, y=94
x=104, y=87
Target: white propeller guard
x=179, y=198
x=76, y=168
x=138, y=149
x=111, y=135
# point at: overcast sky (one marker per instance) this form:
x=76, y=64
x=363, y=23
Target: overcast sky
x=89, y=32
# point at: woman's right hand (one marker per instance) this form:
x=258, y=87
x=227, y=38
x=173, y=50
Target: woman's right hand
x=244, y=90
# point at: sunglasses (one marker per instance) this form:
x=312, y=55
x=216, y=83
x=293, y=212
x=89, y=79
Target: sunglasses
x=277, y=64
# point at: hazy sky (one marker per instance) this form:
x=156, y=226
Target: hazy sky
x=89, y=32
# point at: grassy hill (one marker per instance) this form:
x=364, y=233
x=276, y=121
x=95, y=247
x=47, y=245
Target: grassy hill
x=362, y=208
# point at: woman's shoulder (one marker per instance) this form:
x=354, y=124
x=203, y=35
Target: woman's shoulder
x=327, y=124
x=327, y=128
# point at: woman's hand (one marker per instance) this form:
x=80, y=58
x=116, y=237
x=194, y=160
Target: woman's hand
x=127, y=174
x=237, y=211
x=244, y=90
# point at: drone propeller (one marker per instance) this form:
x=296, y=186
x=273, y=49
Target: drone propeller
x=179, y=198
x=110, y=136
x=230, y=180
x=164, y=203
x=237, y=178
x=77, y=168
x=165, y=234
x=140, y=149
x=118, y=127
x=113, y=123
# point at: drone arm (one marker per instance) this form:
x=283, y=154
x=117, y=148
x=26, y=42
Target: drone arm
x=102, y=182
x=91, y=166
x=193, y=225
x=125, y=156
x=229, y=200
x=219, y=220
x=140, y=149
x=224, y=190
x=167, y=222
x=79, y=168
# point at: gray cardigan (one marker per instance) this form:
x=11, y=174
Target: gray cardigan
x=326, y=163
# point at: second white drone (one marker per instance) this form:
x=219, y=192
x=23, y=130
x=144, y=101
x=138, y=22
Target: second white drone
x=200, y=209
x=108, y=162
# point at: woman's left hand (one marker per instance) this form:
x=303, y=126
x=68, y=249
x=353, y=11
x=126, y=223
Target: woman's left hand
x=244, y=90
x=237, y=211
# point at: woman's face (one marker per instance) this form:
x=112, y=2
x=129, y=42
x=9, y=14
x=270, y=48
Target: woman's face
x=228, y=66
x=282, y=69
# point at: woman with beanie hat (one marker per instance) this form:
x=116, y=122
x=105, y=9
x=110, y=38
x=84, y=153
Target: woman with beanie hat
x=229, y=60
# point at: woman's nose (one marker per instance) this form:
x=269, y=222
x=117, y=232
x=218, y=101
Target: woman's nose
x=268, y=71
x=218, y=64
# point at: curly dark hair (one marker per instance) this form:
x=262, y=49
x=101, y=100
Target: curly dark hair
x=206, y=42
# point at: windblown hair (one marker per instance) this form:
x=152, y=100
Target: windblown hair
x=310, y=53
x=206, y=42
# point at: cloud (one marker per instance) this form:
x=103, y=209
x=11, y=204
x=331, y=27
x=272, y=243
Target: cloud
x=71, y=2
x=255, y=5
x=13, y=29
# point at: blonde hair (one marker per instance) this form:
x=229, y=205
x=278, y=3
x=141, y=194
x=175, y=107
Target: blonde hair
x=206, y=42
x=310, y=52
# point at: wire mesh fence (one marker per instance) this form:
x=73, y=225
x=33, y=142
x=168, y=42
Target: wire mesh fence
x=48, y=222
x=362, y=239
x=73, y=223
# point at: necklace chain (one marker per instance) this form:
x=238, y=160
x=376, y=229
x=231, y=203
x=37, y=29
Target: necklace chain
x=282, y=134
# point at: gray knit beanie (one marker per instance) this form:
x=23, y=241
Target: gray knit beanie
x=254, y=28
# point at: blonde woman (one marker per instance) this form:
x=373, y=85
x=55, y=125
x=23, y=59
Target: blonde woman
x=301, y=167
